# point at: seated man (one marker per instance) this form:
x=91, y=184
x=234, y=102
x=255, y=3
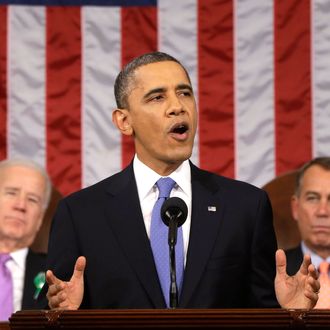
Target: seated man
x=25, y=191
x=310, y=207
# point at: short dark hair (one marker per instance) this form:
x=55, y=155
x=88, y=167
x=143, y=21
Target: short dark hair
x=323, y=162
x=126, y=75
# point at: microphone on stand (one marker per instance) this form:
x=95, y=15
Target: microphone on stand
x=173, y=213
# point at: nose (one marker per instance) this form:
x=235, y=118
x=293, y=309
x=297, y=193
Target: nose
x=20, y=203
x=175, y=106
x=324, y=208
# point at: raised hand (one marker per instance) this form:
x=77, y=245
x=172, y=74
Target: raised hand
x=299, y=291
x=66, y=295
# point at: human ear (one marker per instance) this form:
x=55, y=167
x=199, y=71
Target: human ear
x=294, y=207
x=121, y=118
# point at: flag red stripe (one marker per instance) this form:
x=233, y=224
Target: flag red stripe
x=139, y=35
x=216, y=91
x=292, y=83
x=63, y=101
x=3, y=82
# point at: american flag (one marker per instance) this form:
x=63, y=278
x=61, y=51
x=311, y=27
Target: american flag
x=260, y=71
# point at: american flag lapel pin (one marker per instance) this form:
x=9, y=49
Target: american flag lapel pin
x=212, y=208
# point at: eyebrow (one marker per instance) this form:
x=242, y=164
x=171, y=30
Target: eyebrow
x=28, y=193
x=163, y=89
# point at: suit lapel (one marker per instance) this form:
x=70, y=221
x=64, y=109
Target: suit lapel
x=205, y=222
x=35, y=263
x=128, y=226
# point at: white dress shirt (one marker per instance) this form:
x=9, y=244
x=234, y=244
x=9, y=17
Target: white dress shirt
x=316, y=259
x=17, y=268
x=146, y=180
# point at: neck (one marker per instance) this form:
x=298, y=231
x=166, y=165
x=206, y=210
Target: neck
x=162, y=168
x=322, y=251
x=8, y=246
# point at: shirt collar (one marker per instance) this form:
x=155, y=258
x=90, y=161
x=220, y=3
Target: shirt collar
x=316, y=259
x=19, y=257
x=146, y=177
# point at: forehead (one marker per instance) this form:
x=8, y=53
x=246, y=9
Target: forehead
x=166, y=74
x=316, y=178
x=22, y=176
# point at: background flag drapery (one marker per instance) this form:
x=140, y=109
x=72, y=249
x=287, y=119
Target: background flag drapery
x=260, y=71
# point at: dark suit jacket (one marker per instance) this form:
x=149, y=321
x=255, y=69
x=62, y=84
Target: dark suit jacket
x=231, y=253
x=294, y=258
x=35, y=263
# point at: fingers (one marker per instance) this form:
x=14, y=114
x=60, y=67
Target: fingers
x=312, y=271
x=280, y=262
x=51, y=278
x=305, y=264
x=59, y=290
x=312, y=287
x=79, y=268
x=55, y=286
x=312, y=279
x=313, y=296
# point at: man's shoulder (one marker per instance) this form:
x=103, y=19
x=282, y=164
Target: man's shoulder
x=35, y=255
x=294, y=252
x=221, y=181
x=109, y=184
x=35, y=260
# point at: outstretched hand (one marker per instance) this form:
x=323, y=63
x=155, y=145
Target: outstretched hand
x=299, y=291
x=66, y=295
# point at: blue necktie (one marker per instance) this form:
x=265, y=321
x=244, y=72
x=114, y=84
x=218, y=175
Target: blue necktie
x=159, y=241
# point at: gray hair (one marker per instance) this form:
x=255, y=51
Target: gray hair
x=31, y=164
x=323, y=162
x=125, y=78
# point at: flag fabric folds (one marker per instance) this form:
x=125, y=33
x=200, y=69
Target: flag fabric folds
x=260, y=72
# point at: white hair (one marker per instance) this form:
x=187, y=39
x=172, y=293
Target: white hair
x=31, y=164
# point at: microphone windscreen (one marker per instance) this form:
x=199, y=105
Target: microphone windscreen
x=174, y=207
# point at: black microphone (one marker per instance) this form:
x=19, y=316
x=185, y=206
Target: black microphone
x=174, y=213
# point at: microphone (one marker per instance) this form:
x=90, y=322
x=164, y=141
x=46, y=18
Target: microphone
x=174, y=213
x=174, y=206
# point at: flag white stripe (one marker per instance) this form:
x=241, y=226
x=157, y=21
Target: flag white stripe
x=101, y=62
x=177, y=35
x=26, y=83
x=254, y=91
x=321, y=77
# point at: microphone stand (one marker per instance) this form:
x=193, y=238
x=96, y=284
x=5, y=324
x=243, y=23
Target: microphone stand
x=172, y=238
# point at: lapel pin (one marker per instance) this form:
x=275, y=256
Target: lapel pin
x=39, y=282
x=212, y=208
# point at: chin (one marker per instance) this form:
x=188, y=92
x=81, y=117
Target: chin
x=183, y=154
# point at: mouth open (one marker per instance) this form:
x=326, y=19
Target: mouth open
x=180, y=131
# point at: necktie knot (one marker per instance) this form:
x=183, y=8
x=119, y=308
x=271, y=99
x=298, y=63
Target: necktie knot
x=4, y=257
x=165, y=185
x=324, y=267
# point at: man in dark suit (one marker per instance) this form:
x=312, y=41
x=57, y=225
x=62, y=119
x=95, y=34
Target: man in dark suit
x=34, y=279
x=310, y=207
x=102, y=233
x=24, y=196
